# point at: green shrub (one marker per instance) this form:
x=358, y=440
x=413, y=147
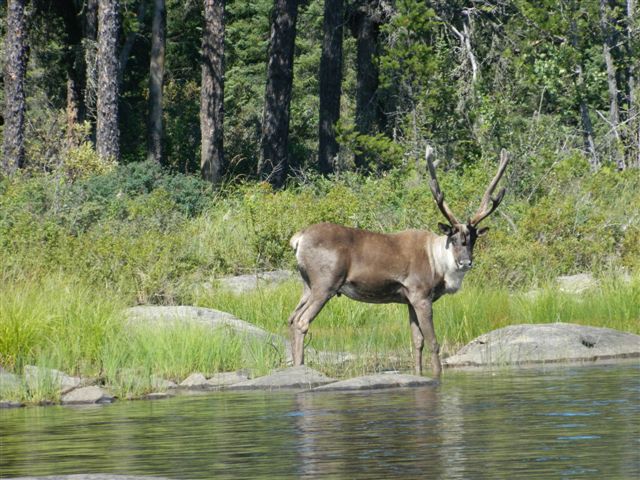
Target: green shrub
x=155, y=236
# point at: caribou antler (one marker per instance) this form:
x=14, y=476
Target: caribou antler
x=485, y=209
x=435, y=189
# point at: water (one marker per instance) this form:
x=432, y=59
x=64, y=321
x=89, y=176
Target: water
x=570, y=422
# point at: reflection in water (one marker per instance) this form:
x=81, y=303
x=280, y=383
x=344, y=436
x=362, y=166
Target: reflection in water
x=559, y=423
x=368, y=434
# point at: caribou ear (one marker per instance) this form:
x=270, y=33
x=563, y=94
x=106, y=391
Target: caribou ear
x=482, y=231
x=446, y=229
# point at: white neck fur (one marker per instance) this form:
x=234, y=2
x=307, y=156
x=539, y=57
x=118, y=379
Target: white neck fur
x=444, y=265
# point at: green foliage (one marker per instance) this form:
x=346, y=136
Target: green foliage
x=82, y=161
x=156, y=235
x=182, y=139
x=381, y=152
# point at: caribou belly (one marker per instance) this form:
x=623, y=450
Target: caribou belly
x=388, y=293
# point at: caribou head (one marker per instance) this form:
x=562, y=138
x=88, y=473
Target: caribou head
x=461, y=237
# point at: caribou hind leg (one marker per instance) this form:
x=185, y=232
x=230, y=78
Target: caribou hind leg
x=302, y=318
x=322, y=275
x=293, y=320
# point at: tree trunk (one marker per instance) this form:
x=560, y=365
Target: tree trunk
x=125, y=52
x=330, y=84
x=156, y=79
x=587, y=127
x=633, y=107
x=107, y=132
x=73, y=109
x=212, y=92
x=465, y=45
x=90, y=47
x=366, y=30
x=614, y=111
x=15, y=69
x=74, y=59
x=275, y=121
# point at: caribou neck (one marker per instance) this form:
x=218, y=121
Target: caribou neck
x=444, y=265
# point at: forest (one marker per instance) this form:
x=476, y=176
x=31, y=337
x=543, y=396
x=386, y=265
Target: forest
x=151, y=146
x=267, y=90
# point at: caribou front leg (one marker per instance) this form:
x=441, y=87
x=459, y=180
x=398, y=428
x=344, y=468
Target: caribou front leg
x=418, y=340
x=424, y=311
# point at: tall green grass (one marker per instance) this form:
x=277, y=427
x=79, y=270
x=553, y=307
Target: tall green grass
x=58, y=322
x=379, y=335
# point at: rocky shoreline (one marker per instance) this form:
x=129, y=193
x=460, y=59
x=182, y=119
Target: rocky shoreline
x=512, y=346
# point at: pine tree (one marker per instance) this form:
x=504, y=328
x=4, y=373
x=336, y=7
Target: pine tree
x=365, y=27
x=330, y=83
x=212, y=92
x=156, y=80
x=275, y=121
x=107, y=130
x=14, y=76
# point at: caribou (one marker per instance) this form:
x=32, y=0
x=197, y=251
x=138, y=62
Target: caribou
x=412, y=267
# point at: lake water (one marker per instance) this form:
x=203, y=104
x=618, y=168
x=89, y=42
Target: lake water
x=563, y=422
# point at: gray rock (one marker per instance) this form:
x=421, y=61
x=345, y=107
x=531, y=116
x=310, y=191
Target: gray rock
x=10, y=404
x=86, y=395
x=246, y=283
x=65, y=383
x=225, y=379
x=546, y=343
x=172, y=315
x=576, y=284
x=8, y=381
x=293, y=378
x=378, y=381
x=157, y=396
x=195, y=380
x=162, y=383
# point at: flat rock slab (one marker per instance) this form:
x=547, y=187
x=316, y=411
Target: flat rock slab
x=9, y=381
x=293, y=378
x=10, y=404
x=246, y=283
x=34, y=375
x=378, y=381
x=546, y=343
x=86, y=396
x=176, y=315
x=576, y=284
x=197, y=381
x=226, y=379
x=162, y=384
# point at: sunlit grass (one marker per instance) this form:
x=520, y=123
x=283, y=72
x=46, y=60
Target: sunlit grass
x=380, y=335
x=60, y=322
